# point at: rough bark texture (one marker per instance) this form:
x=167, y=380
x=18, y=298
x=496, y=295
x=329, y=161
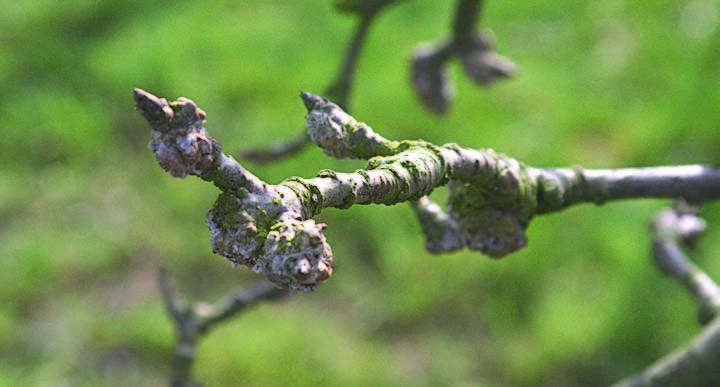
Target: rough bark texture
x=493, y=197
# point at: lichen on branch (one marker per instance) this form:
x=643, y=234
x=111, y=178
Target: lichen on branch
x=493, y=197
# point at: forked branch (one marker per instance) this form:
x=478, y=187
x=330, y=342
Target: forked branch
x=493, y=197
x=697, y=364
x=193, y=321
x=474, y=49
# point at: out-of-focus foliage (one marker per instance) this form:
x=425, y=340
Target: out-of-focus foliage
x=86, y=215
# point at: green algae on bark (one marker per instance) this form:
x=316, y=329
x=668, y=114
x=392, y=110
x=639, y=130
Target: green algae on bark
x=492, y=197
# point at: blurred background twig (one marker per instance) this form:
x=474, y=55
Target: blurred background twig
x=193, y=321
x=696, y=364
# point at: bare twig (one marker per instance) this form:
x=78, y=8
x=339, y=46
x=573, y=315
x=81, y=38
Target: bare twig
x=173, y=302
x=442, y=233
x=192, y=322
x=475, y=50
x=671, y=229
x=467, y=15
x=493, y=197
x=696, y=365
x=696, y=183
x=339, y=90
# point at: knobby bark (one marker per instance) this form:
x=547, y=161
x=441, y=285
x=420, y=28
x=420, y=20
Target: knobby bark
x=493, y=197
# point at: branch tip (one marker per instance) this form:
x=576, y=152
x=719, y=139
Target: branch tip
x=312, y=101
x=156, y=110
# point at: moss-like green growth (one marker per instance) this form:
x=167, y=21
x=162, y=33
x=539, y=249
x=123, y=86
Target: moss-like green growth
x=311, y=199
x=414, y=173
x=493, y=213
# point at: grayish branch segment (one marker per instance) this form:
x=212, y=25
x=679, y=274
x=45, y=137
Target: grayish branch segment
x=671, y=229
x=697, y=364
x=493, y=197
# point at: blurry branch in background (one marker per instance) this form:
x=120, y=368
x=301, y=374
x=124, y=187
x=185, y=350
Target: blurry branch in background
x=193, y=321
x=671, y=229
x=366, y=10
x=696, y=365
x=341, y=88
x=429, y=76
x=276, y=151
x=474, y=49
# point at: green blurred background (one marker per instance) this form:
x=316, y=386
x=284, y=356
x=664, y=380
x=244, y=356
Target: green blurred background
x=86, y=216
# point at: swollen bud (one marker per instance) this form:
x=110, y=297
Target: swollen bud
x=181, y=145
x=297, y=255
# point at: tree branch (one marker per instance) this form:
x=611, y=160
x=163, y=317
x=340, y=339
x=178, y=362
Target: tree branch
x=442, y=233
x=276, y=151
x=173, y=302
x=670, y=229
x=475, y=50
x=493, y=197
x=467, y=14
x=192, y=322
x=236, y=302
x=696, y=365
x=571, y=186
x=340, y=89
